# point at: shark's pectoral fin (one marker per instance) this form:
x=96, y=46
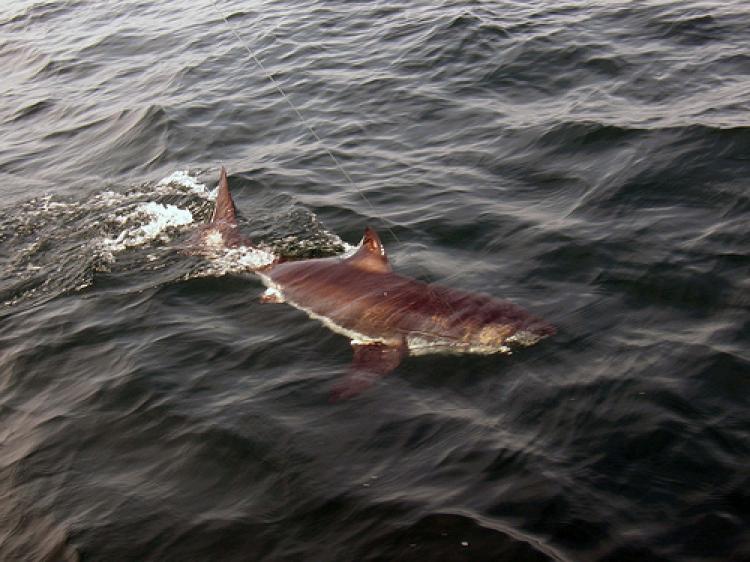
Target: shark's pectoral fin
x=371, y=361
x=377, y=358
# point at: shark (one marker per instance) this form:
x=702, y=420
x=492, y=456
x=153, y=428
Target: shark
x=385, y=315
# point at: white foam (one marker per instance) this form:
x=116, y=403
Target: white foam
x=183, y=179
x=160, y=219
x=141, y=224
x=237, y=260
x=349, y=250
x=110, y=197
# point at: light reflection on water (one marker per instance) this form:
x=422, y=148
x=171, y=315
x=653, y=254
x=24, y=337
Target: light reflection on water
x=585, y=161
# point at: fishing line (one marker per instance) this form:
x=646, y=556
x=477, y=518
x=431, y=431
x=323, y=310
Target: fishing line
x=309, y=127
x=436, y=293
x=298, y=113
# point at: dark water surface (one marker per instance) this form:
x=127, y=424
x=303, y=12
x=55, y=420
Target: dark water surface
x=588, y=161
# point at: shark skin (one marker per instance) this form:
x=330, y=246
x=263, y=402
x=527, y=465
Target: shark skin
x=387, y=316
x=222, y=230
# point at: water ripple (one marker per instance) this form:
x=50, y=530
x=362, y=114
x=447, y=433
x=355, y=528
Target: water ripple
x=586, y=161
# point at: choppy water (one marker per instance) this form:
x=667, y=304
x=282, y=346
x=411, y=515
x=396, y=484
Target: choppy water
x=589, y=161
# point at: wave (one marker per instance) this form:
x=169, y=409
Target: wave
x=55, y=246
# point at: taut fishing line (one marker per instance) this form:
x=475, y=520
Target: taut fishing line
x=297, y=112
x=309, y=127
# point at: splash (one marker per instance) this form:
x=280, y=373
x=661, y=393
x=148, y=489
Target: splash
x=182, y=180
x=162, y=220
x=54, y=245
x=137, y=235
x=235, y=260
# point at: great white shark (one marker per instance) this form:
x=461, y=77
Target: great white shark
x=385, y=315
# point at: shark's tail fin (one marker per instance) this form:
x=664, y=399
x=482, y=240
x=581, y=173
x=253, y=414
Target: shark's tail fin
x=224, y=211
x=224, y=220
x=223, y=233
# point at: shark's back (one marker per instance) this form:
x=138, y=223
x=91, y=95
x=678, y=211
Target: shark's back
x=364, y=298
x=386, y=316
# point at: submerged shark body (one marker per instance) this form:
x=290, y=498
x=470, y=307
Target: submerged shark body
x=386, y=316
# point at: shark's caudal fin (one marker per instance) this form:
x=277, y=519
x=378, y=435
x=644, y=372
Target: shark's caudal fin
x=224, y=211
x=222, y=230
x=371, y=254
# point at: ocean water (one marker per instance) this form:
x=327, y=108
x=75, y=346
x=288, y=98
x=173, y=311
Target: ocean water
x=589, y=161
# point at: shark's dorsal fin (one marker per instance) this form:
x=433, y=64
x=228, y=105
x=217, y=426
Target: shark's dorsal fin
x=224, y=211
x=371, y=254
